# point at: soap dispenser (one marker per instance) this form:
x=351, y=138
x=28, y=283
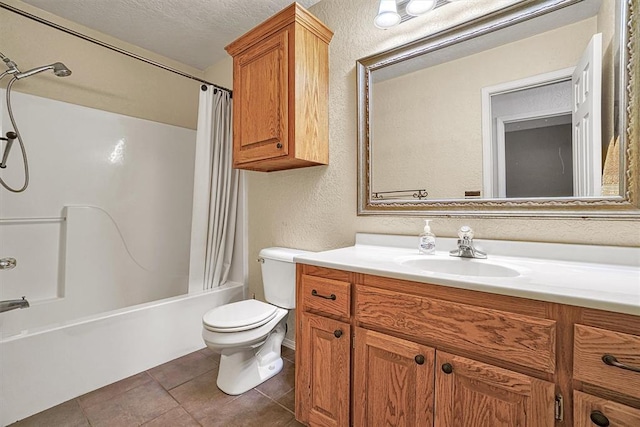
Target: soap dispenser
x=427, y=243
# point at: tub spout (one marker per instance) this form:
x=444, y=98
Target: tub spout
x=13, y=304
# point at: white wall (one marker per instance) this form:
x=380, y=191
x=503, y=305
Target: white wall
x=134, y=249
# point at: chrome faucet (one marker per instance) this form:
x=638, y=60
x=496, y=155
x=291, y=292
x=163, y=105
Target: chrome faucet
x=13, y=304
x=465, y=245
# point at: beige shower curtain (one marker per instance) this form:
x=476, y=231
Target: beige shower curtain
x=216, y=186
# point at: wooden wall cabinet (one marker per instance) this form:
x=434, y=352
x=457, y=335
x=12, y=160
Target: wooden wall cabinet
x=425, y=355
x=280, y=93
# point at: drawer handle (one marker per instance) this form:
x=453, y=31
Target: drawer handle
x=316, y=294
x=278, y=145
x=419, y=359
x=599, y=419
x=612, y=361
x=447, y=368
x=337, y=333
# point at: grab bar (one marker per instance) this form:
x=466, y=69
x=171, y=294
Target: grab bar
x=35, y=219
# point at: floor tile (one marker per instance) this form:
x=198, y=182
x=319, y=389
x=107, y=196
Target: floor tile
x=131, y=408
x=281, y=384
x=201, y=397
x=68, y=414
x=183, y=369
x=112, y=390
x=173, y=418
x=182, y=392
x=210, y=353
x=288, y=400
x=252, y=409
x=288, y=354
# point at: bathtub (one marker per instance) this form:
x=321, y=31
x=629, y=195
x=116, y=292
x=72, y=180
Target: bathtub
x=43, y=368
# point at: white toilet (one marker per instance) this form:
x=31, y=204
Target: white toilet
x=248, y=334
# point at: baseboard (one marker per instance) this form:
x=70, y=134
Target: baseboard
x=289, y=344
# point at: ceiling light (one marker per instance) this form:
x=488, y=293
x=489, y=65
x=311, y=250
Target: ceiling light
x=418, y=7
x=387, y=15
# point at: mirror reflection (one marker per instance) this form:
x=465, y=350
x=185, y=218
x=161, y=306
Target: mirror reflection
x=529, y=111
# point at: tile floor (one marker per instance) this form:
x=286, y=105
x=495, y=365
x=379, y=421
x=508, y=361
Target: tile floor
x=179, y=393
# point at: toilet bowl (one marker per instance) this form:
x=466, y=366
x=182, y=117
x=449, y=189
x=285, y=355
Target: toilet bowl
x=248, y=334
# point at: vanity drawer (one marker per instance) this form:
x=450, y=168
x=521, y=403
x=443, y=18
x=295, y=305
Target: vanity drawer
x=592, y=344
x=587, y=410
x=520, y=339
x=326, y=296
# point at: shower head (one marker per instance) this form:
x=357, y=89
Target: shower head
x=59, y=69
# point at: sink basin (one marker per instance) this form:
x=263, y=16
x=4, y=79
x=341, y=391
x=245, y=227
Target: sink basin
x=461, y=267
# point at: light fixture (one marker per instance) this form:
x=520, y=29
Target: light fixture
x=418, y=7
x=387, y=16
x=394, y=12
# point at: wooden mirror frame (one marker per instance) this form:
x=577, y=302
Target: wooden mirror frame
x=626, y=206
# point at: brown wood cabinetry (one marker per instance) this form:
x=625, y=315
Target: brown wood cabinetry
x=280, y=93
x=426, y=355
x=591, y=411
x=393, y=384
x=474, y=394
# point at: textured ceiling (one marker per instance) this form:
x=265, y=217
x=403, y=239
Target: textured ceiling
x=193, y=32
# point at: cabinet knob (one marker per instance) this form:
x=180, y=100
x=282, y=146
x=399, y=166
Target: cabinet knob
x=337, y=333
x=447, y=368
x=419, y=359
x=599, y=419
x=278, y=145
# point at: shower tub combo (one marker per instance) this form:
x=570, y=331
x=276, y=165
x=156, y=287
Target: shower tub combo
x=102, y=243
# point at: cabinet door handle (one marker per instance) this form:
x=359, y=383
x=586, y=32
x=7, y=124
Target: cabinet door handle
x=447, y=368
x=316, y=294
x=610, y=360
x=599, y=419
x=337, y=333
x=278, y=145
x=419, y=359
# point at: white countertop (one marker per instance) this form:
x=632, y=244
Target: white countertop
x=613, y=284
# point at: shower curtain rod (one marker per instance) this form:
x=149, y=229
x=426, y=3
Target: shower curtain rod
x=108, y=46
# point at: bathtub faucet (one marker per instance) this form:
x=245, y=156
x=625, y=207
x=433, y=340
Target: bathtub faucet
x=12, y=304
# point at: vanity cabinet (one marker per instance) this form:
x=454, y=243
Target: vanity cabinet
x=420, y=354
x=471, y=393
x=394, y=381
x=607, y=363
x=280, y=93
x=591, y=411
x=323, y=373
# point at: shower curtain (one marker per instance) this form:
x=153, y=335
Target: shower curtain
x=215, y=192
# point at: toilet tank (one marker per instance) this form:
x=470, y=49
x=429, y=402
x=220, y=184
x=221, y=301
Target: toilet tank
x=279, y=276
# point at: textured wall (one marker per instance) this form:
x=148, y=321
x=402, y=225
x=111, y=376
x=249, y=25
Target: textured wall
x=315, y=208
x=101, y=78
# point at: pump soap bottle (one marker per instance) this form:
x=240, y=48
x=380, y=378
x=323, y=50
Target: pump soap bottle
x=427, y=243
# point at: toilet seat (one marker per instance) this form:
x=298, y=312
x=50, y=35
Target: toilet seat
x=239, y=316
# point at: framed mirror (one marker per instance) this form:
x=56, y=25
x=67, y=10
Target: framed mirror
x=528, y=111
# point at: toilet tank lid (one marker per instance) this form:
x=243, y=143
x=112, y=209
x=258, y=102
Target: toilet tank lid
x=281, y=254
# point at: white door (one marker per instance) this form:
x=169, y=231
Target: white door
x=587, y=144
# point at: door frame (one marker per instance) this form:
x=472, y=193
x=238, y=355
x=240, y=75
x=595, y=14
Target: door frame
x=489, y=147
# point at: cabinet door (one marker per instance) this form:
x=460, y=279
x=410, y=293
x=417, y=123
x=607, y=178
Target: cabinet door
x=591, y=411
x=260, y=106
x=393, y=381
x=474, y=394
x=323, y=376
